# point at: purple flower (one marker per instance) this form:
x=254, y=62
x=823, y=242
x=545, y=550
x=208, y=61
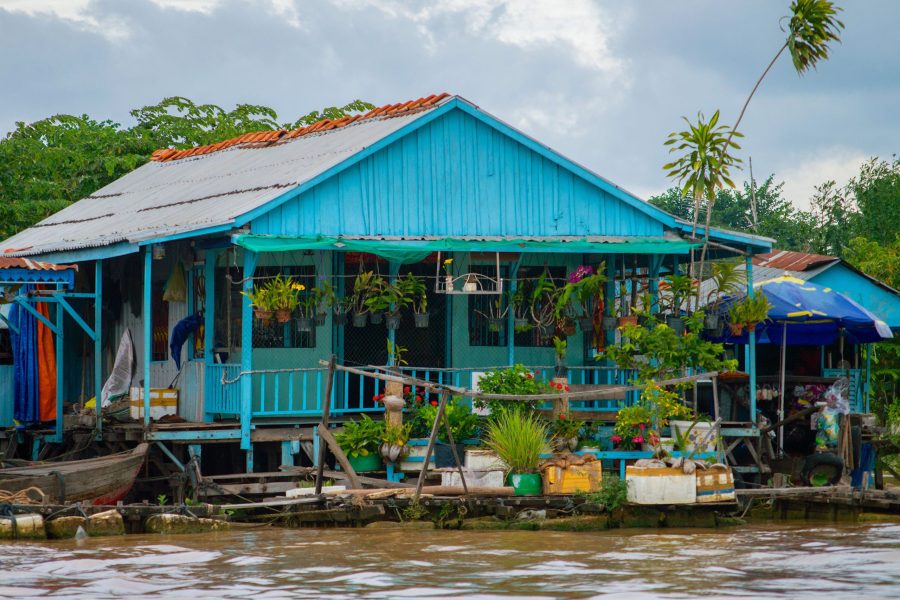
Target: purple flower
x=580, y=273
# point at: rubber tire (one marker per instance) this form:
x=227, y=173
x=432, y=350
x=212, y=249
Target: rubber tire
x=819, y=460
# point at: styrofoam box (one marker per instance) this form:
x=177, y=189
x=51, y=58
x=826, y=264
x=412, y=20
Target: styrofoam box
x=483, y=460
x=492, y=478
x=309, y=491
x=163, y=401
x=656, y=485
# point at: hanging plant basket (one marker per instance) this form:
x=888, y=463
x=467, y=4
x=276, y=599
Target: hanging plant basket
x=392, y=322
x=736, y=328
x=376, y=318
x=421, y=320
x=391, y=453
x=360, y=319
x=263, y=316
x=495, y=324
x=568, y=327
x=321, y=317
x=520, y=323
x=711, y=321
x=629, y=320
x=676, y=323
x=609, y=323
x=283, y=315
x=304, y=324
x=340, y=317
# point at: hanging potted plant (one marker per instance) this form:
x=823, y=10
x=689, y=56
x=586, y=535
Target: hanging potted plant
x=282, y=293
x=519, y=437
x=583, y=291
x=756, y=310
x=624, y=313
x=414, y=291
x=388, y=300
x=261, y=303
x=564, y=433
x=542, y=306
x=680, y=289
x=325, y=299
x=727, y=280
x=394, y=442
x=340, y=309
x=560, y=348
x=360, y=441
x=736, y=319
x=307, y=309
x=365, y=284
x=497, y=312
x=520, y=308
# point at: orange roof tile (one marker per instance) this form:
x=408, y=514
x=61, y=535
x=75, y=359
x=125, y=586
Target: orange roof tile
x=32, y=265
x=268, y=137
x=790, y=260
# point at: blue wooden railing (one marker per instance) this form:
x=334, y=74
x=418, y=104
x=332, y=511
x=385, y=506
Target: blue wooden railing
x=298, y=392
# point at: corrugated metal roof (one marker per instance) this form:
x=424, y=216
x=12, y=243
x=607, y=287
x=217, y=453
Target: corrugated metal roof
x=790, y=260
x=7, y=262
x=164, y=198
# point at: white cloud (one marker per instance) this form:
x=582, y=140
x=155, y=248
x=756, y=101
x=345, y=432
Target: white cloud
x=77, y=12
x=579, y=25
x=201, y=6
x=802, y=177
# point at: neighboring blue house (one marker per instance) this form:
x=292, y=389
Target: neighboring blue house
x=384, y=191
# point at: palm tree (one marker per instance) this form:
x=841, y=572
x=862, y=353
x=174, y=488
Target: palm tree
x=703, y=168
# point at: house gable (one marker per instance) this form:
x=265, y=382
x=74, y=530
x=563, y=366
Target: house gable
x=457, y=175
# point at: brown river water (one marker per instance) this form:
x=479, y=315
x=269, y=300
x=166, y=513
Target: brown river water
x=779, y=561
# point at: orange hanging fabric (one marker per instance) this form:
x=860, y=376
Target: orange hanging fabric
x=46, y=359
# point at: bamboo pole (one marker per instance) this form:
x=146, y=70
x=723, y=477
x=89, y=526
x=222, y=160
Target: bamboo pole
x=453, y=449
x=326, y=412
x=434, y=429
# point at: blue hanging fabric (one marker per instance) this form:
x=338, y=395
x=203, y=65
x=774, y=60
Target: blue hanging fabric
x=180, y=333
x=26, y=408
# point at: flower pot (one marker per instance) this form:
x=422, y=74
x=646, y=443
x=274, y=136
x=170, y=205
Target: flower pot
x=421, y=320
x=525, y=484
x=392, y=322
x=495, y=325
x=340, y=317
x=676, y=323
x=321, y=317
x=750, y=327
x=717, y=331
x=520, y=323
x=393, y=452
x=561, y=445
x=304, y=324
x=701, y=436
x=711, y=321
x=264, y=316
x=609, y=323
x=443, y=454
x=586, y=324
x=448, y=282
x=667, y=444
x=376, y=318
x=568, y=327
x=361, y=464
x=736, y=328
x=360, y=319
x=629, y=320
x=283, y=315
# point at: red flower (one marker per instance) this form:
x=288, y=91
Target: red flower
x=642, y=427
x=616, y=439
x=406, y=390
x=375, y=398
x=529, y=376
x=567, y=387
x=434, y=402
x=562, y=416
x=418, y=398
x=638, y=439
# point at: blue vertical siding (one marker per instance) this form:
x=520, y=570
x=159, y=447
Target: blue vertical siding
x=456, y=176
x=6, y=395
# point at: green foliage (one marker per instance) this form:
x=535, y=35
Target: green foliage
x=728, y=279
x=876, y=192
x=413, y=289
x=813, y=24
x=48, y=164
x=680, y=288
x=516, y=381
x=560, y=346
x=632, y=425
x=360, y=437
x=613, y=493
x=463, y=422
x=281, y=293
x=563, y=427
x=396, y=435
x=705, y=160
x=162, y=499
x=876, y=259
x=395, y=354
x=518, y=437
x=259, y=297
x=750, y=311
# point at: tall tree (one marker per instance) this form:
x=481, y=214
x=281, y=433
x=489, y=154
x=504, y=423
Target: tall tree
x=48, y=164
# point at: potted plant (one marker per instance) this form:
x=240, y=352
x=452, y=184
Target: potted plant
x=514, y=381
x=667, y=406
x=542, y=303
x=497, y=312
x=360, y=441
x=680, y=288
x=560, y=347
x=394, y=442
x=632, y=424
x=463, y=425
x=340, y=309
x=581, y=293
x=736, y=320
x=565, y=433
x=282, y=294
x=520, y=308
x=756, y=310
x=306, y=314
x=414, y=291
x=325, y=299
x=727, y=280
x=365, y=285
x=261, y=303
x=518, y=437
x=625, y=317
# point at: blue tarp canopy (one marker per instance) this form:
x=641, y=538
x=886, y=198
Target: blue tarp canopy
x=813, y=315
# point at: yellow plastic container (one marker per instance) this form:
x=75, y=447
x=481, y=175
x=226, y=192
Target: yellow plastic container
x=163, y=401
x=715, y=484
x=573, y=479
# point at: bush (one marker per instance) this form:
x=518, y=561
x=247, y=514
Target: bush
x=516, y=381
x=518, y=437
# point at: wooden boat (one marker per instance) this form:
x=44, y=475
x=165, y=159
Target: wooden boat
x=97, y=481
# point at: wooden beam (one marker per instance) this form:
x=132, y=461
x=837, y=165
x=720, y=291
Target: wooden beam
x=326, y=412
x=325, y=435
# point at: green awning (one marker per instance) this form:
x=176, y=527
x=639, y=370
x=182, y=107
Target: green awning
x=412, y=251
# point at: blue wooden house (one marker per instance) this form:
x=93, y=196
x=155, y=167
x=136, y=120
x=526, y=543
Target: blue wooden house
x=383, y=191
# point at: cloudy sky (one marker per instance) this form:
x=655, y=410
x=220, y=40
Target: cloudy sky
x=602, y=81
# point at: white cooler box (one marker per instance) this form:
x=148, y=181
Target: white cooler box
x=163, y=401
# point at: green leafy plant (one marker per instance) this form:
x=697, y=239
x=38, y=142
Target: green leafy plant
x=395, y=354
x=562, y=427
x=679, y=290
x=259, y=298
x=359, y=438
x=632, y=426
x=386, y=297
x=518, y=437
x=542, y=300
x=560, y=346
x=413, y=290
x=463, y=422
x=396, y=435
x=517, y=381
x=366, y=284
x=613, y=493
x=162, y=499
x=282, y=292
x=582, y=291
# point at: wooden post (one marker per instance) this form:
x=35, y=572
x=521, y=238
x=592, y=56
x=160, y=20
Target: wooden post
x=462, y=476
x=326, y=412
x=561, y=405
x=434, y=429
x=328, y=438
